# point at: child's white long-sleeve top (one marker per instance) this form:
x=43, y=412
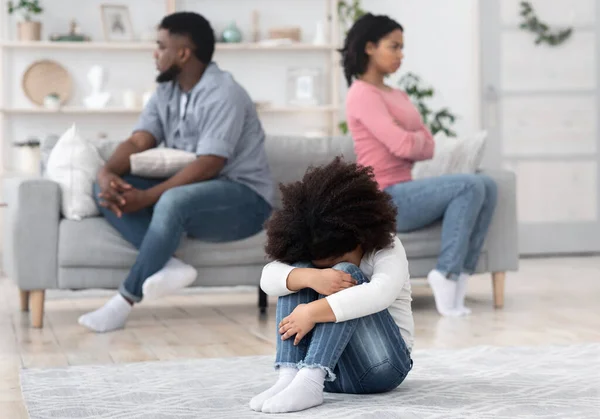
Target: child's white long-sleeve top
x=388, y=288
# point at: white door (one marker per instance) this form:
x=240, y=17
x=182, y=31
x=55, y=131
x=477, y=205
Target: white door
x=541, y=107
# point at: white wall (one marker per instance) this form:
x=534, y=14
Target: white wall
x=442, y=46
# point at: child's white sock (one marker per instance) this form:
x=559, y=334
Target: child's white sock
x=286, y=375
x=305, y=391
x=175, y=275
x=444, y=291
x=461, y=292
x=111, y=316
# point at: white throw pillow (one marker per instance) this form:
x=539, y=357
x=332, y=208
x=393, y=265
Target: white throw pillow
x=73, y=164
x=452, y=155
x=160, y=162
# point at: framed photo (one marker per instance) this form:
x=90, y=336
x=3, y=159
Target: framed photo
x=304, y=87
x=116, y=23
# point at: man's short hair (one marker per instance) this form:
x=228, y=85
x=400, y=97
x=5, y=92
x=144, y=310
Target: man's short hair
x=196, y=28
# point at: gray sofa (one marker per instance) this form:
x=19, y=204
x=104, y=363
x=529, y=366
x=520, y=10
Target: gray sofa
x=43, y=251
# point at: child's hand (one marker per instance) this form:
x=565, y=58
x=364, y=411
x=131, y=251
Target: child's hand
x=298, y=323
x=330, y=281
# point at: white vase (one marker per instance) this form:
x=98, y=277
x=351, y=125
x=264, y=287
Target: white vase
x=319, y=38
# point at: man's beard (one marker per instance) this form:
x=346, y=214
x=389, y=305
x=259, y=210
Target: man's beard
x=169, y=75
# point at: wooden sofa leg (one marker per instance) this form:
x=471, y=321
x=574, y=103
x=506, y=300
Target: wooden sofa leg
x=263, y=302
x=498, y=286
x=36, y=299
x=24, y=300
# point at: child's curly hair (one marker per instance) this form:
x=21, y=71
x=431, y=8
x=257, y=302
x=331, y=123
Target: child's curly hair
x=327, y=214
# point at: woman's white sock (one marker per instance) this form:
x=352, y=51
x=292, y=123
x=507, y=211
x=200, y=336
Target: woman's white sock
x=461, y=292
x=444, y=291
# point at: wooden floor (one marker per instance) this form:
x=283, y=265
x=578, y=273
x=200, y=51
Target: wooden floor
x=548, y=301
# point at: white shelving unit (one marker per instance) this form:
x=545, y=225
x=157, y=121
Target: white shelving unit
x=149, y=46
x=10, y=47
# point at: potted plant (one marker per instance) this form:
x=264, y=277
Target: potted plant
x=28, y=30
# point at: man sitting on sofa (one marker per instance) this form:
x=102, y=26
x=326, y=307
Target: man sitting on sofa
x=224, y=195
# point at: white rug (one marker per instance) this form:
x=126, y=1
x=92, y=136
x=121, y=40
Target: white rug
x=483, y=382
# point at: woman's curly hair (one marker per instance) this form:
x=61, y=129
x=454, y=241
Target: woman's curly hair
x=332, y=210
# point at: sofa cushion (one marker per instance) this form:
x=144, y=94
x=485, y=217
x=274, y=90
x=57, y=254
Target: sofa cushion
x=289, y=157
x=92, y=242
x=160, y=162
x=73, y=164
x=421, y=243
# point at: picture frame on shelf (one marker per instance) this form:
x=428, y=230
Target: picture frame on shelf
x=304, y=87
x=116, y=23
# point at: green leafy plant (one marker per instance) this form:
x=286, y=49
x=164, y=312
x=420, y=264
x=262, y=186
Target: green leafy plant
x=543, y=32
x=349, y=12
x=27, y=7
x=441, y=120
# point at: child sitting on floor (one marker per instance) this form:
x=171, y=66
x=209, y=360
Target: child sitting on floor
x=344, y=318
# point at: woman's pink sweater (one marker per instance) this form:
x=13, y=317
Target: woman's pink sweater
x=388, y=132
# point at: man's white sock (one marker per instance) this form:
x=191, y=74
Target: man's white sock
x=305, y=391
x=286, y=375
x=111, y=316
x=175, y=275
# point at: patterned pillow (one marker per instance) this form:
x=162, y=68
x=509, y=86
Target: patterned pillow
x=452, y=155
x=160, y=162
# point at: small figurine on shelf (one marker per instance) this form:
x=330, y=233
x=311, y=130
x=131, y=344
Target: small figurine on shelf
x=74, y=34
x=319, y=38
x=97, y=99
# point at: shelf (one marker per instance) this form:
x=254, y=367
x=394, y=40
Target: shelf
x=149, y=46
x=125, y=111
x=70, y=111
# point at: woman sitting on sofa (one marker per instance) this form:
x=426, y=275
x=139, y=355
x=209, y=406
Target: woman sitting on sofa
x=389, y=135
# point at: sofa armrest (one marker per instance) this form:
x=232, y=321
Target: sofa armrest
x=31, y=222
x=502, y=242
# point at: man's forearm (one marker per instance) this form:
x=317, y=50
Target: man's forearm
x=202, y=169
x=119, y=162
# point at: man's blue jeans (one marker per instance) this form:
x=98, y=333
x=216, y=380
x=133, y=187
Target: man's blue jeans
x=465, y=203
x=212, y=211
x=360, y=356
